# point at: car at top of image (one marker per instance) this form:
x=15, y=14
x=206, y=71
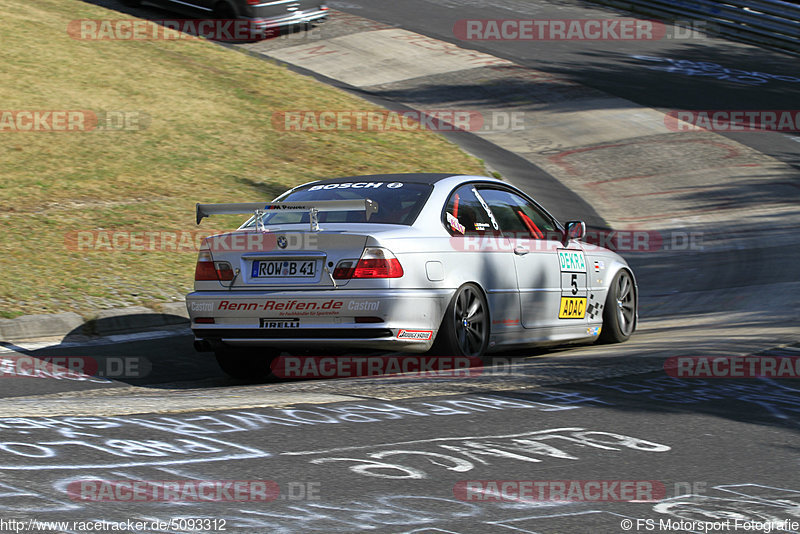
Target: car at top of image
x=453, y=264
x=263, y=17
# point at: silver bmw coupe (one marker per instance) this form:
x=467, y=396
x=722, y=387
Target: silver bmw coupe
x=458, y=265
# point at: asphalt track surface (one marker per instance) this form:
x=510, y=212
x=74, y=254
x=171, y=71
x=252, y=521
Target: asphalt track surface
x=612, y=66
x=389, y=454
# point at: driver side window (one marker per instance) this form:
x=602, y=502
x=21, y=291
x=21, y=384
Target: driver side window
x=516, y=215
x=465, y=215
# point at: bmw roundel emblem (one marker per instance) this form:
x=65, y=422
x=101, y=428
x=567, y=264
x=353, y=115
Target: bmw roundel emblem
x=282, y=242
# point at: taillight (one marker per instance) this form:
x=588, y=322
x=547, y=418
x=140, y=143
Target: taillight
x=205, y=265
x=344, y=270
x=224, y=270
x=375, y=262
x=209, y=270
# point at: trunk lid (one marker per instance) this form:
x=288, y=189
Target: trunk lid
x=291, y=259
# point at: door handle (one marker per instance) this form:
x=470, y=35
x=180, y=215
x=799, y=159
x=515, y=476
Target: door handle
x=520, y=251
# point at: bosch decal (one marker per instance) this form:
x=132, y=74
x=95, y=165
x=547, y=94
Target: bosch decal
x=349, y=185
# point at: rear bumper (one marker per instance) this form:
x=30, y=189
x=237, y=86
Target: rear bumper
x=403, y=320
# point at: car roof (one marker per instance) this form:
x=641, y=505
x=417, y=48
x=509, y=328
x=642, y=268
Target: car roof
x=421, y=177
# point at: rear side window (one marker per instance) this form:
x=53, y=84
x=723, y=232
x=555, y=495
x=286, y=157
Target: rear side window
x=398, y=203
x=466, y=215
x=516, y=215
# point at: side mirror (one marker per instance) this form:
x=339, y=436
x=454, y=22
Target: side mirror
x=573, y=230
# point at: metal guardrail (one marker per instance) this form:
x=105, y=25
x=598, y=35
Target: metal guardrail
x=772, y=23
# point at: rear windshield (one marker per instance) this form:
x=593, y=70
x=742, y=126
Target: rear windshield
x=398, y=203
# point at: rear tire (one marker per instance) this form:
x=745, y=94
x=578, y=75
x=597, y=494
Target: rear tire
x=465, y=326
x=619, y=313
x=131, y=3
x=247, y=364
x=224, y=11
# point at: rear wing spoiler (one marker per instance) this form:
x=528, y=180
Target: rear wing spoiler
x=312, y=207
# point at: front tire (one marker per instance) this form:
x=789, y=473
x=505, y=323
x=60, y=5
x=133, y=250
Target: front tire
x=247, y=364
x=619, y=313
x=465, y=327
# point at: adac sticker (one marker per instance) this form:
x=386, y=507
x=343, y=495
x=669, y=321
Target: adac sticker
x=572, y=261
x=572, y=308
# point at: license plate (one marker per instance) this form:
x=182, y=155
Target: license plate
x=572, y=308
x=284, y=269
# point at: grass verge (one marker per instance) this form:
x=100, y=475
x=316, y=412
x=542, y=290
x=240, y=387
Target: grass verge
x=205, y=134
